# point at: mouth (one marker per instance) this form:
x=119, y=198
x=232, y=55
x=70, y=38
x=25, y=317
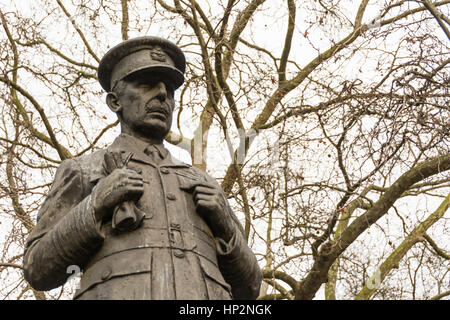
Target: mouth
x=156, y=109
x=158, y=113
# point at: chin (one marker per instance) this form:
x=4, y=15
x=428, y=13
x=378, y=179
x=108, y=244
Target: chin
x=154, y=131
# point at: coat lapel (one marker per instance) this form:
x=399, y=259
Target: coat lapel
x=125, y=144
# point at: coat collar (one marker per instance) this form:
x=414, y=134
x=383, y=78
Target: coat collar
x=126, y=143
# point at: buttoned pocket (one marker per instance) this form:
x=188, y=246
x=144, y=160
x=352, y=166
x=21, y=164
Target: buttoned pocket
x=188, y=180
x=217, y=287
x=115, y=266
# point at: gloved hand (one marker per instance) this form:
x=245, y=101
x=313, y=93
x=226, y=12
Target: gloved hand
x=212, y=206
x=121, y=185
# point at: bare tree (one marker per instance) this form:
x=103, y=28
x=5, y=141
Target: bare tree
x=327, y=123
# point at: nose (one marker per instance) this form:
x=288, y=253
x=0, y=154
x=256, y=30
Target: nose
x=161, y=91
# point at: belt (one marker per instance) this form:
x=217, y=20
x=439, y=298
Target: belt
x=175, y=238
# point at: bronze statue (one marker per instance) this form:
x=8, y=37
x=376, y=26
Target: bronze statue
x=139, y=223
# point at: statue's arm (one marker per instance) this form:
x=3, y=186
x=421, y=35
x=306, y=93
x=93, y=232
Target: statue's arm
x=238, y=264
x=66, y=232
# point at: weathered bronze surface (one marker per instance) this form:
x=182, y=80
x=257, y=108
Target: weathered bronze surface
x=139, y=223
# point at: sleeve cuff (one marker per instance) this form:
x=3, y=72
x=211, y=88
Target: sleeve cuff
x=225, y=248
x=78, y=233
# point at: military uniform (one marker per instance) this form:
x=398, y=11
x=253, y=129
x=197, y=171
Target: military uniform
x=172, y=255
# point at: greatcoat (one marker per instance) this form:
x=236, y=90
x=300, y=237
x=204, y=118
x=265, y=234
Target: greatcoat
x=171, y=255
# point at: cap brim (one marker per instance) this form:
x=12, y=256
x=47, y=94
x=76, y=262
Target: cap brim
x=171, y=73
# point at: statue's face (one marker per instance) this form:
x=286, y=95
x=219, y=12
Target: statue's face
x=147, y=105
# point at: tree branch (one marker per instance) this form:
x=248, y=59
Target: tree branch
x=10, y=265
x=394, y=258
x=270, y=274
x=440, y=296
x=437, y=15
x=436, y=248
x=80, y=33
x=287, y=41
x=52, y=141
x=125, y=19
x=287, y=86
x=332, y=249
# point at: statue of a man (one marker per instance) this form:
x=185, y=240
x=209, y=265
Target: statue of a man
x=139, y=223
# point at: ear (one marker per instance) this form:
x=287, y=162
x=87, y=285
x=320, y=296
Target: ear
x=112, y=100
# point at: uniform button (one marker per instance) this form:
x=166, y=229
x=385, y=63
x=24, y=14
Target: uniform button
x=171, y=196
x=179, y=254
x=106, y=273
x=164, y=170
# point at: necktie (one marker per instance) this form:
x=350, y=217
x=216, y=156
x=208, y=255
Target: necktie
x=153, y=152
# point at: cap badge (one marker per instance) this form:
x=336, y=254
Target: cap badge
x=158, y=55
